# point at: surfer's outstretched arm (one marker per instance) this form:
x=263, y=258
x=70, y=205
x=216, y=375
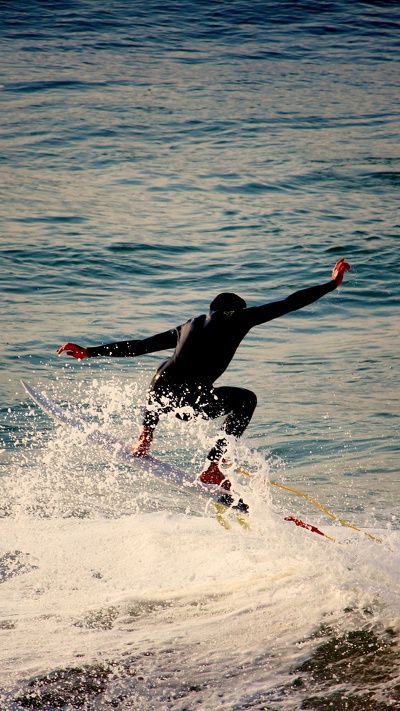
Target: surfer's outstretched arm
x=261, y=314
x=124, y=349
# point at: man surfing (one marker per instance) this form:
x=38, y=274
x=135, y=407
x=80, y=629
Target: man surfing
x=203, y=348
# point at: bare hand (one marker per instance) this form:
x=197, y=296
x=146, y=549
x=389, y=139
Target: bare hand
x=73, y=350
x=338, y=271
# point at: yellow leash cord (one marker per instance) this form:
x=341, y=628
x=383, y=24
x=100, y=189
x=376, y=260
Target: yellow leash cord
x=313, y=501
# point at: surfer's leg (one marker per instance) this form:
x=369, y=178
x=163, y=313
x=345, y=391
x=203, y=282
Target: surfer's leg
x=141, y=448
x=161, y=399
x=151, y=416
x=238, y=404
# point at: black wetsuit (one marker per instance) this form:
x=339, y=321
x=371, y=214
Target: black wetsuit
x=204, y=347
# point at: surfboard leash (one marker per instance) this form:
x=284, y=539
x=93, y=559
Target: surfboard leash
x=313, y=501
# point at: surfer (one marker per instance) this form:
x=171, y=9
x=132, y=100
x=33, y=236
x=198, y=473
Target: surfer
x=203, y=348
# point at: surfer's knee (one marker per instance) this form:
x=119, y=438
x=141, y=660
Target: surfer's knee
x=249, y=399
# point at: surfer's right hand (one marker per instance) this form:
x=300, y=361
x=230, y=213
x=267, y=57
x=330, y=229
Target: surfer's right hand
x=73, y=350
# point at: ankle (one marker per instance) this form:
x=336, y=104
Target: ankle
x=146, y=435
x=142, y=446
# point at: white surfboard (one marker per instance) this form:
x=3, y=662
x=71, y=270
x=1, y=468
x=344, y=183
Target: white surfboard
x=119, y=449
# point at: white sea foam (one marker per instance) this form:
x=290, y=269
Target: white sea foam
x=93, y=571
x=96, y=589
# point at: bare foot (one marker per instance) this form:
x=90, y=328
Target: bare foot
x=215, y=477
x=142, y=447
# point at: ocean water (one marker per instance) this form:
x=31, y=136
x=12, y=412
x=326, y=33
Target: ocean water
x=152, y=155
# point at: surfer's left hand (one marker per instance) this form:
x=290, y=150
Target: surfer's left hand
x=338, y=271
x=72, y=349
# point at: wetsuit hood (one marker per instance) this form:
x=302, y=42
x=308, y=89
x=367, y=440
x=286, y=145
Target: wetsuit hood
x=227, y=302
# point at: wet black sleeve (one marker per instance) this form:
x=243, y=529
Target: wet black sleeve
x=125, y=349
x=260, y=314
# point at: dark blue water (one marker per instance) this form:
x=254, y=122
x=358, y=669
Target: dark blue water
x=153, y=155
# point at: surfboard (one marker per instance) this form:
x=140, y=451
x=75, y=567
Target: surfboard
x=119, y=449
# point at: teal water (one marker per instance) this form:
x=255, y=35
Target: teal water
x=153, y=155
